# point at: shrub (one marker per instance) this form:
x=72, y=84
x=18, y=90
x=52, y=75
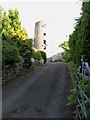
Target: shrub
x=25, y=49
x=10, y=55
x=37, y=55
x=43, y=56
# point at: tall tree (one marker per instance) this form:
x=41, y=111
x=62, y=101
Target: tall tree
x=15, y=20
x=79, y=40
x=85, y=20
x=6, y=27
x=16, y=39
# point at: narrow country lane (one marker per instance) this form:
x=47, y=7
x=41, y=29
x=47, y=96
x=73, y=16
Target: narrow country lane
x=42, y=93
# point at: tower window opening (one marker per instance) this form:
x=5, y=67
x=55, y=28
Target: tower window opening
x=44, y=47
x=44, y=41
x=44, y=34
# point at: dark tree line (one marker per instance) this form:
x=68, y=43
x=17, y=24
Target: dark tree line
x=79, y=43
x=77, y=47
x=79, y=40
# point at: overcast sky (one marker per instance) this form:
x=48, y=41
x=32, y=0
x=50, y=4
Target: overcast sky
x=60, y=17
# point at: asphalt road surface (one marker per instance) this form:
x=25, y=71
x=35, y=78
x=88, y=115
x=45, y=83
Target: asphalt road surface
x=41, y=93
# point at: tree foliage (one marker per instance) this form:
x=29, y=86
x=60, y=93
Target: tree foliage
x=65, y=46
x=17, y=47
x=79, y=41
x=66, y=54
x=11, y=55
x=43, y=56
x=37, y=55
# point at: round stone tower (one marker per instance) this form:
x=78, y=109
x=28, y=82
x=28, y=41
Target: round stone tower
x=40, y=36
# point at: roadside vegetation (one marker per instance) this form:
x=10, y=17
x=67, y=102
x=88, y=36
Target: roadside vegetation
x=17, y=48
x=78, y=45
x=44, y=56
